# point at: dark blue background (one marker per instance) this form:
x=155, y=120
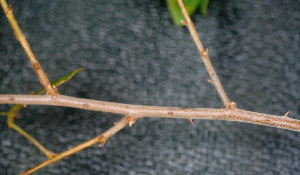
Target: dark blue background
x=133, y=53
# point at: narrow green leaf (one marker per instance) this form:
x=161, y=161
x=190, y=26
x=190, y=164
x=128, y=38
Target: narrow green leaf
x=61, y=80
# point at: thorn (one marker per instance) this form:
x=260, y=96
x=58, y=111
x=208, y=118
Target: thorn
x=102, y=141
x=10, y=10
x=210, y=81
x=101, y=144
x=191, y=120
x=204, y=53
x=183, y=22
x=132, y=120
x=286, y=114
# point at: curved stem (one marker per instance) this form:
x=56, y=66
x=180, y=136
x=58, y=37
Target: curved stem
x=48, y=153
x=101, y=138
x=156, y=111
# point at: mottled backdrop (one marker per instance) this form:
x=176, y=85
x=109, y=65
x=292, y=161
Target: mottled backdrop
x=133, y=53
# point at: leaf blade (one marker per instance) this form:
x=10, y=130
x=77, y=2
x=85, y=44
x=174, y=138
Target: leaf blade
x=175, y=12
x=61, y=80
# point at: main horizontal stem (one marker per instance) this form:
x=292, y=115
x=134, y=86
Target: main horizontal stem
x=155, y=111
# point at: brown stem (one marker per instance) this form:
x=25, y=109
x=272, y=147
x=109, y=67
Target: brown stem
x=51, y=90
x=156, y=111
x=204, y=55
x=101, y=138
x=136, y=111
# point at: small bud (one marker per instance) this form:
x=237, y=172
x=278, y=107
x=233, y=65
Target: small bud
x=10, y=10
x=102, y=141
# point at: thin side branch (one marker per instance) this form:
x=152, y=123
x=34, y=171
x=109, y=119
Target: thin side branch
x=11, y=115
x=48, y=153
x=204, y=55
x=101, y=138
x=156, y=111
x=51, y=90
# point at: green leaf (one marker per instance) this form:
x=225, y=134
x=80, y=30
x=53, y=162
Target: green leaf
x=190, y=5
x=61, y=80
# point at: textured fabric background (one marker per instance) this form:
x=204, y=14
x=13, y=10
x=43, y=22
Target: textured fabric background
x=133, y=53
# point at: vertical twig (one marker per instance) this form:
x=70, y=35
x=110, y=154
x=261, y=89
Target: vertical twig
x=204, y=55
x=51, y=90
